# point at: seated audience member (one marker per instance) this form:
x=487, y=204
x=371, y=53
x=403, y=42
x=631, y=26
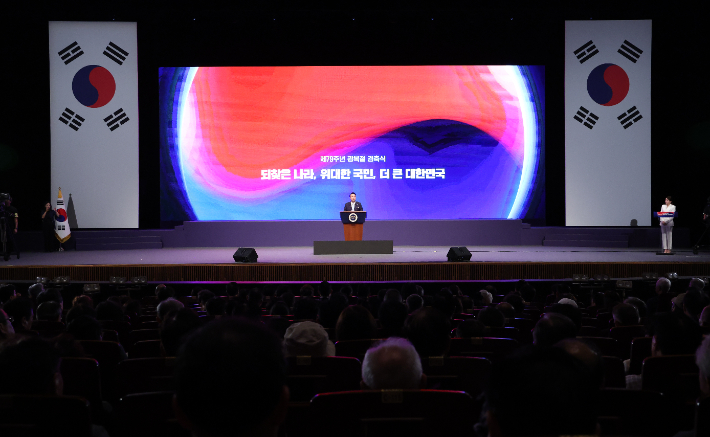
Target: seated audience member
x=21, y=311
x=256, y=298
x=486, y=297
x=288, y=298
x=346, y=290
x=215, y=307
x=625, y=314
x=232, y=289
x=30, y=367
x=324, y=289
x=409, y=289
x=639, y=304
x=52, y=295
x=517, y=302
x=279, y=309
x=166, y=306
x=177, y=326
x=392, y=315
x=305, y=309
x=49, y=311
x=132, y=310
x=677, y=303
x=6, y=329
x=109, y=311
x=705, y=317
x=35, y=290
x=541, y=392
x=445, y=302
x=308, y=338
x=67, y=346
x=355, y=323
x=611, y=299
x=492, y=317
x=392, y=295
x=203, y=296
x=82, y=299
x=470, y=328
x=7, y=292
x=164, y=293
x=85, y=328
x=79, y=310
x=392, y=364
x=697, y=284
x=570, y=311
x=693, y=303
x=673, y=334
x=159, y=287
x=568, y=301
x=702, y=359
x=306, y=290
x=330, y=309
x=588, y=354
x=414, y=302
x=507, y=310
x=552, y=328
x=661, y=302
x=238, y=357
x=429, y=331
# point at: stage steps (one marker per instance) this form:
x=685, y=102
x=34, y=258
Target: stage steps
x=117, y=240
x=586, y=240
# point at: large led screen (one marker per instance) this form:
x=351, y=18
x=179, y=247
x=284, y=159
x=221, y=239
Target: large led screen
x=291, y=143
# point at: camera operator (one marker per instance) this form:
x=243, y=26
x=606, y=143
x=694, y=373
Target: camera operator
x=10, y=226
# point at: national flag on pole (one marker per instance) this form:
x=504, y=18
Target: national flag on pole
x=61, y=224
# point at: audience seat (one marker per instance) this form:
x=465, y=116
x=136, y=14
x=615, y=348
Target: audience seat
x=675, y=376
x=589, y=321
x=123, y=328
x=46, y=325
x=456, y=373
x=614, y=375
x=640, y=350
x=639, y=411
x=60, y=416
x=624, y=335
x=149, y=415
x=525, y=326
x=141, y=335
x=485, y=347
x=144, y=375
x=532, y=313
x=587, y=331
x=353, y=348
x=108, y=354
x=146, y=349
x=154, y=324
x=82, y=378
x=109, y=335
x=606, y=345
x=308, y=376
x=702, y=417
x=147, y=318
x=394, y=412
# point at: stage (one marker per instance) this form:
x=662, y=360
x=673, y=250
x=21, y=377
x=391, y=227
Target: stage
x=298, y=263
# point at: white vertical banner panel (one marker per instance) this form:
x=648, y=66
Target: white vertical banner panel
x=94, y=121
x=608, y=123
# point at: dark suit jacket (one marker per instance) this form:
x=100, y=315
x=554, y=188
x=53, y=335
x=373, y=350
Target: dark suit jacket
x=358, y=206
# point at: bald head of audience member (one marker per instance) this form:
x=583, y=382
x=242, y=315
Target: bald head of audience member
x=392, y=364
x=551, y=328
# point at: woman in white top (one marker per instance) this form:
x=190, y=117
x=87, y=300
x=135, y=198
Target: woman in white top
x=667, y=226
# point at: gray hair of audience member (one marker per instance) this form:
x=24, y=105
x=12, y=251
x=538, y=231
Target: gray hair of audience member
x=697, y=283
x=625, y=314
x=168, y=305
x=702, y=359
x=35, y=290
x=486, y=297
x=639, y=304
x=663, y=285
x=392, y=364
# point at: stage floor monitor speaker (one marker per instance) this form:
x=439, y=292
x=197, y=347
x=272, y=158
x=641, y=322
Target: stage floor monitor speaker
x=245, y=255
x=458, y=254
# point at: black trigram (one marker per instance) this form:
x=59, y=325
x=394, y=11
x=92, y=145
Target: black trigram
x=585, y=117
x=585, y=52
x=71, y=119
x=115, y=53
x=61, y=227
x=70, y=52
x=116, y=119
x=629, y=117
x=630, y=51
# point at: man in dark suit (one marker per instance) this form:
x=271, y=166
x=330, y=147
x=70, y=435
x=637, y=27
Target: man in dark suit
x=353, y=205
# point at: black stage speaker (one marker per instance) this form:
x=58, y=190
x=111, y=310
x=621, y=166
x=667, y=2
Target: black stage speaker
x=245, y=255
x=458, y=254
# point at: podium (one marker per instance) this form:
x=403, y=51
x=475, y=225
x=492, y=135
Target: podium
x=352, y=224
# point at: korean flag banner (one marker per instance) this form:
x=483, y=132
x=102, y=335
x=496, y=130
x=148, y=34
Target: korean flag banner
x=608, y=122
x=94, y=119
x=61, y=224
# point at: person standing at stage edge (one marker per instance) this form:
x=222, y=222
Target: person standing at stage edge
x=353, y=205
x=11, y=227
x=667, y=226
x=48, y=217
